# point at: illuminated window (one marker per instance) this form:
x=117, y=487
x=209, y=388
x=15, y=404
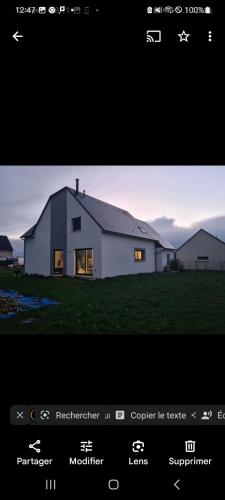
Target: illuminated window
x=58, y=262
x=84, y=262
x=76, y=224
x=139, y=254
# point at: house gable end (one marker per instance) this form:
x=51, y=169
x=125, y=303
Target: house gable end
x=196, y=234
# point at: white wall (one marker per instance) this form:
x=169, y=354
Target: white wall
x=203, y=245
x=118, y=256
x=161, y=259
x=88, y=237
x=37, y=249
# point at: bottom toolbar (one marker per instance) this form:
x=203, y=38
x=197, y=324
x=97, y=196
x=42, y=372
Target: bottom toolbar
x=130, y=461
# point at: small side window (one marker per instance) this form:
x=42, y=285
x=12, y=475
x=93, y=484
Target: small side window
x=139, y=254
x=76, y=224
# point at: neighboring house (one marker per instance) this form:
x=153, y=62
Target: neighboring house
x=6, y=248
x=78, y=235
x=202, y=251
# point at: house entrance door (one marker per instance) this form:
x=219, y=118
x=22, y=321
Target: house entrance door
x=58, y=261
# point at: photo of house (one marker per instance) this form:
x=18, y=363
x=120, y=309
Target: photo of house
x=112, y=250
x=78, y=235
x=203, y=251
x=6, y=249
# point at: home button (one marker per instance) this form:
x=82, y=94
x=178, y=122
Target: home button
x=113, y=484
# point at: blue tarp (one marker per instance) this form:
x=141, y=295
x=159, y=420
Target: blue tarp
x=27, y=302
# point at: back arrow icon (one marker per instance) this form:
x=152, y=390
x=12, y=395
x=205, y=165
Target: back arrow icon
x=16, y=36
x=176, y=484
x=194, y=414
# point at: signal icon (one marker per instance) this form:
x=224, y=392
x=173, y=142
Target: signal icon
x=150, y=38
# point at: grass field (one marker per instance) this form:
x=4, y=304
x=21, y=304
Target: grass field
x=187, y=302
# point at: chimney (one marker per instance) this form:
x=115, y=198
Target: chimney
x=77, y=186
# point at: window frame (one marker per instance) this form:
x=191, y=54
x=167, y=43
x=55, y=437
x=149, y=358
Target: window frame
x=143, y=251
x=72, y=220
x=84, y=250
x=55, y=273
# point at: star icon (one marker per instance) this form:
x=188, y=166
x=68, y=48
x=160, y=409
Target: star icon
x=183, y=36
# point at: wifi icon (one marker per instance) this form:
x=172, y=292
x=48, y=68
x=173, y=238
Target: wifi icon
x=168, y=10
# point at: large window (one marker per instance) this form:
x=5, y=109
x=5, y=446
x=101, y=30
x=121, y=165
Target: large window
x=76, y=224
x=84, y=262
x=58, y=262
x=139, y=254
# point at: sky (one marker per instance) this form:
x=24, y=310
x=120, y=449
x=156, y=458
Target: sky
x=175, y=200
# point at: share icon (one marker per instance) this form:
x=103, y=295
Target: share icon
x=33, y=446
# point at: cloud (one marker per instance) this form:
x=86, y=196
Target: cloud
x=177, y=235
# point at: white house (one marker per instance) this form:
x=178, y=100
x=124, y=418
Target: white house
x=78, y=235
x=202, y=251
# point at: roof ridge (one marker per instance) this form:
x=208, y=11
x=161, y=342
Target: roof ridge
x=114, y=219
x=101, y=201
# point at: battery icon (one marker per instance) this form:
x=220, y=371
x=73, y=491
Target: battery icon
x=208, y=10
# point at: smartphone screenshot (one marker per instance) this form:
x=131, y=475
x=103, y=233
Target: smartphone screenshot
x=112, y=249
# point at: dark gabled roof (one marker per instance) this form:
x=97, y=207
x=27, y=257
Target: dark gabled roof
x=209, y=234
x=5, y=244
x=110, y=219
x=116, y=220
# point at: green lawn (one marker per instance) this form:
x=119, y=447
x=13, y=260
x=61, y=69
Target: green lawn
x=187, y=302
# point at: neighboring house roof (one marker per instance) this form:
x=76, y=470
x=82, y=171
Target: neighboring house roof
x=5, y=244
x=112, y=219
x=204, y=231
